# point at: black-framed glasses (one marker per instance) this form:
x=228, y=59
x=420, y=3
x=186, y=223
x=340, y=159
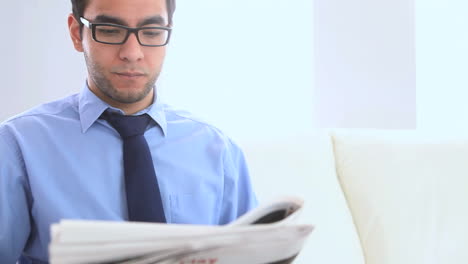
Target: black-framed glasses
x=114, y=34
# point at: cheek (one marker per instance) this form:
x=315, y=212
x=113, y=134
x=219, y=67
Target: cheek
x=99, y=56
x=156, y=58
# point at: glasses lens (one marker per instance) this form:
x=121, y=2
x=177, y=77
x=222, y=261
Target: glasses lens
x=110, y=34
x=153, y=36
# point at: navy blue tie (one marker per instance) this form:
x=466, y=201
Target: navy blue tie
x=143, y=196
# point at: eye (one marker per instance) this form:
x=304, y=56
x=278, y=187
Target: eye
x=152, y=33
x=109, y=30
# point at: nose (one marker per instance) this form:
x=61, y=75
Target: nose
x=131, y=50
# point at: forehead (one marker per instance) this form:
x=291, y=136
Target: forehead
x=130, y=11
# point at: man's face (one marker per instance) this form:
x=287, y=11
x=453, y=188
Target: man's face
x=126, y=73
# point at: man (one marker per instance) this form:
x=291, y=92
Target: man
x=69, y=159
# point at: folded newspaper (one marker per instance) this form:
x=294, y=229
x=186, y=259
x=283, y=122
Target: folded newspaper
x=266, y=234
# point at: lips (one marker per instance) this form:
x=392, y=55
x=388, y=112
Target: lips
x=130, y=74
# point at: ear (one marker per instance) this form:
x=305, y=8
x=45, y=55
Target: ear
x=74, y=28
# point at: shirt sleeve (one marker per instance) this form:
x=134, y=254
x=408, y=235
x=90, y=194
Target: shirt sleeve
x=238, y=195
x=14, y=200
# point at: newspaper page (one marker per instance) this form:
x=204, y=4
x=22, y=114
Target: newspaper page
x=266, y=234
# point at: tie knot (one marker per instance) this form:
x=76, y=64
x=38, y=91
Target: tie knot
x=127, y=126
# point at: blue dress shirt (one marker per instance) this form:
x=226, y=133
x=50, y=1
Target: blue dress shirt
x=60, y=161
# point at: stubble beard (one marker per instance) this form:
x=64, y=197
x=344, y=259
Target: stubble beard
x=127, y=96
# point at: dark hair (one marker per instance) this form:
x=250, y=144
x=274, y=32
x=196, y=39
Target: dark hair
x=78, y=7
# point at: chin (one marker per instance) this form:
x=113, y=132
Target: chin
x=130, y=95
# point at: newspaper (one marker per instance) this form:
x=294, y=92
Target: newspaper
x=267, y=234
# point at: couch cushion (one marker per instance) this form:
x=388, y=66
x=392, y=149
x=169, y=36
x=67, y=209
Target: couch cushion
x=304, y=166
x=408, y=192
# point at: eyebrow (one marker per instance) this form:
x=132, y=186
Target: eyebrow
x=159, y=20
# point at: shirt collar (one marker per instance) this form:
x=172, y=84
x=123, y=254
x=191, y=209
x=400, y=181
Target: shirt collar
x=91, y=107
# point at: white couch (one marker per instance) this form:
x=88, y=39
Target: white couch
x=375, y=197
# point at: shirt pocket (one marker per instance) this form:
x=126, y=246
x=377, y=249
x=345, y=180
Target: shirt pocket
x=200, y=209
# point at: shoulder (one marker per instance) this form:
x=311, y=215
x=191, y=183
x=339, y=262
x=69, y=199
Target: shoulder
x=38, y=121
x=182, y=121
x=55, y=109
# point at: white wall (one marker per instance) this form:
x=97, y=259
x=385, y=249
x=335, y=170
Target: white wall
x=246, y=66
x=365, y=64
x=39, y=63
x=442, y=64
